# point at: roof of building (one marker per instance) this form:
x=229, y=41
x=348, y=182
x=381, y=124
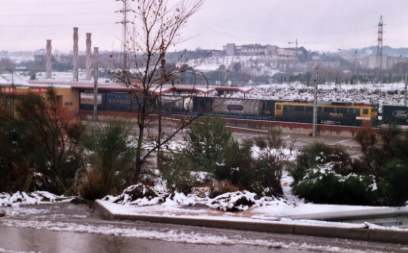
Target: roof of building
x=7, y=79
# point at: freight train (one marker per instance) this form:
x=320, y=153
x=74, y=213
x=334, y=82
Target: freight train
x=328, y=113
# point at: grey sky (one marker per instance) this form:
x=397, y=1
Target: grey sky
x=319, y=24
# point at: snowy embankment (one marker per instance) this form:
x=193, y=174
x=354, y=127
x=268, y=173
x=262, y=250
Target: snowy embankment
x=238, y=206
x=33, y=198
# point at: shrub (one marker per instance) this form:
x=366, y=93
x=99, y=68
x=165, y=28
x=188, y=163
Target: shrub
x=209, y=144
x=321, y=184
x=325, y=174
x=271, y=157
x=207, y=140
x=40, y=145
x=92, y=185
x=319, y=154
x=237, y=165
x=258, y=167
x=211, y=148
x=394, y=187
x=111, y=157
x=385, y=156
x=176, y=170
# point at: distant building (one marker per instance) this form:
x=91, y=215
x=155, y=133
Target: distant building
x=232, y=49
x=372, y=62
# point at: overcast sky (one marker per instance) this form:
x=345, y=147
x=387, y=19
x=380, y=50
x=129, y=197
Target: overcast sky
x=318, y=24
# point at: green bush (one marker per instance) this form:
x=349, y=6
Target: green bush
x=318, y=154
x=325, y=174
x=322, y=184
x=111, y=156
x=394, y=186
x=207, y=141
x=40, y=145
x=385, y=156
x=176, y=170
x=237, y=167
x=211, y=148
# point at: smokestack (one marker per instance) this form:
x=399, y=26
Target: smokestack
x=95, y=62
x=75, y=61
x=48, y=60
x=88, y=56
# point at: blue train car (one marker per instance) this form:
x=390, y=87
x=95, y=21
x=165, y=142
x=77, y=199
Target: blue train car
x=118, y=101
x=395, y=115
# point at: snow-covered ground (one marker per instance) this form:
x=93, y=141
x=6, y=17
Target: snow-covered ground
x=33, y=198
x=264, y=210
x=359, y=93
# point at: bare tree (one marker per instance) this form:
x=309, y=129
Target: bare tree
x=157, y=27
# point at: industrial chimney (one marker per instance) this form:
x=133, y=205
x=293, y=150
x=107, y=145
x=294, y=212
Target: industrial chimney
x=75, y=62
x=88, y=56
x=48, y=60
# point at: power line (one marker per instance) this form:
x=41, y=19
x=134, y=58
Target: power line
x=125, y=21
x=52, y=14
x=52, y=25
x=380, y=45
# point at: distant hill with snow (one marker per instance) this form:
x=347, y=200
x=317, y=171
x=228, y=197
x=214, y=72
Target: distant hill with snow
x=370, y=51
x=254, y=65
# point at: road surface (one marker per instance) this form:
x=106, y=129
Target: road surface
x=77, y=228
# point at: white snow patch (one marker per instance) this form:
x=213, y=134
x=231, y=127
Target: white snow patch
x=371, y=93
x=33, y=198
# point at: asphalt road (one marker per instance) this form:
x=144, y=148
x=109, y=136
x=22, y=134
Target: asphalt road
x=78, y=228
x=28, y=240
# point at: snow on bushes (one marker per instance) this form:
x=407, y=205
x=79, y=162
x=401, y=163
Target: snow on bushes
x=322, y=184
x=38, y=197
x=233, y=201
x=139, y=195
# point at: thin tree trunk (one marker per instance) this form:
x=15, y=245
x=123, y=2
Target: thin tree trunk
x=140, y=140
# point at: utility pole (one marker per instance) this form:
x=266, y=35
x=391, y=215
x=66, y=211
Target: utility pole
x=48, y=60
x=96, y=76
x=125, y=21
x=406, y=91
x=380, y=46
x=316, y=84
x=13, y=89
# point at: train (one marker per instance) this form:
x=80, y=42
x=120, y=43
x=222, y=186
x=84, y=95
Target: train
x=328, y=113
x=296, y=111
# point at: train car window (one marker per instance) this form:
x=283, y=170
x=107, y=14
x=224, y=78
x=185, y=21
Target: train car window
x=278, y=107
x=365, y=111
x=309, y=109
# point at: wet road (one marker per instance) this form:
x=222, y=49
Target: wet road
x=27, y=240
x=76, y=228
